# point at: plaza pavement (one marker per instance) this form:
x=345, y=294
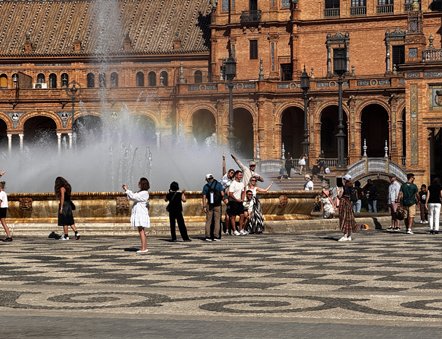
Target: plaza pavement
x=306, y=285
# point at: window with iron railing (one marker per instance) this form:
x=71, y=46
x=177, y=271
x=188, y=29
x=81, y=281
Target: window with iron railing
x=332, y=8
x=358, y=7
x=385, y=7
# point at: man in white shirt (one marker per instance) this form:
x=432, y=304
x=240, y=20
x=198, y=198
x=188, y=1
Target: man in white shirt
x=236, y=208
x=393, y=202
x=308, y=186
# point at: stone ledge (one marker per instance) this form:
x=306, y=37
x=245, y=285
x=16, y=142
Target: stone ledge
x=122, y=229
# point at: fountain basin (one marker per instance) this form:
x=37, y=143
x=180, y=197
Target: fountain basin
x=114, y=207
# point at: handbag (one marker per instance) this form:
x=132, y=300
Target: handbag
x=73, y=206
x=401, y=213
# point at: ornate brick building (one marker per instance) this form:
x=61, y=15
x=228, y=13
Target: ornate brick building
x=64, y=63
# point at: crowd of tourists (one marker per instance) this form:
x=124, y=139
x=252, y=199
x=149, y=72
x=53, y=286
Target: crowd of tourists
x=232, y=206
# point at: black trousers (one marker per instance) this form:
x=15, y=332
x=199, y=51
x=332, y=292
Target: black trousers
x=178, y=217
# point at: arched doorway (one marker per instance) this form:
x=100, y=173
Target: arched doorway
x=292, y=132
x=436, y=152
x=142, y=130
x=203, y=126
x=40, y=132
x=374, y=129
x=243, y=133
x=3, y=136
x=87, y=129
x=329, y=129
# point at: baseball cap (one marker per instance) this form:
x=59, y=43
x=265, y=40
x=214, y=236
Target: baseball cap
x=347, y=177
x=252, y=163
x=209, y=176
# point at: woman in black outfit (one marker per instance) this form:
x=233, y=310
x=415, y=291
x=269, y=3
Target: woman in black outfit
x=175, y=209
x=63, y=192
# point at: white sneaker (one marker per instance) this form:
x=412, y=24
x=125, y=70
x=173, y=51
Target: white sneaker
x=349, y=238
x=63, y=237
x=410, y=232
x=242, y=232
x=236, y=233
x=344, y=238
x=141, y=252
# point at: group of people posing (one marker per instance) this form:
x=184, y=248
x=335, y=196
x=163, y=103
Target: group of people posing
x=237, y=190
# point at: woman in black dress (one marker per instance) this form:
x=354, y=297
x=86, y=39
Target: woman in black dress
x=175, y=209
x=65, y=217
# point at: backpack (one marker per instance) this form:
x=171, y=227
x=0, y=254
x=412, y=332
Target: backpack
x=354, y=195
x=217, y=197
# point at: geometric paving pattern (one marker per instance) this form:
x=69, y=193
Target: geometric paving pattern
x=379, y=275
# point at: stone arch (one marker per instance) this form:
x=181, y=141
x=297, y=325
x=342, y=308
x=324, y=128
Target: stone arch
x=87, y=128
x=375, y=128
x=40, y=131
x=3, y=135
x=280, y=110
x=7, y=120
x=51, y=115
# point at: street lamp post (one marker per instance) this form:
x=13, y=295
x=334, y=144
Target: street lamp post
x=340, y=68
x=16, y=86
x=73, y=90
x=305, y=86
x=230, y=73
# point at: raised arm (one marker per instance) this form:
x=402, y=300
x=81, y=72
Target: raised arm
x=259, y=189
x=239, y=163
x=224, y=165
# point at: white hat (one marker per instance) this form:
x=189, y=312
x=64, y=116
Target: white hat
x=307, y=177
x=347, y=177
x=209, y=176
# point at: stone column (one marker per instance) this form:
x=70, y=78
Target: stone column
x=21, y=136
x=9, y=135
x=70, y=140
x=59, y=142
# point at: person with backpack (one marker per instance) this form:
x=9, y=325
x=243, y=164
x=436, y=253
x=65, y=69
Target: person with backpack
x=175, y=209
x=409, y=197
x=212, y=197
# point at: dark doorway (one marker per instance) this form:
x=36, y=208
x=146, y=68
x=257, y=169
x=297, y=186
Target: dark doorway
x=436, y=153
x=374, y=129
x=203, y=125
x=3, y=136
x=293, y=131
x=243, y=133
x=87, y=129
x=40, y=132
x=329, y=129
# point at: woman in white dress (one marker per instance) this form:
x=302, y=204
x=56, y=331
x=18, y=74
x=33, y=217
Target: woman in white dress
x=140, y=213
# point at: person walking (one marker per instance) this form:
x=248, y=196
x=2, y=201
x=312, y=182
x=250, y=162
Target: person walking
x=433, y=203
x=4, y=211
x=175, y=209
x=409, y=197
x=347, y=222
x=212, y=196
x=302, y=162
x=371, y=193
x=393, y=202
x=139, y=218
x=423, y=208
x=288, y=165
x=63, y=192
x=359, y=193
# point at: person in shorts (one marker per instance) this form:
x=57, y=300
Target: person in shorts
x=4, y=210
x=409, y=197
x=236, y=207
